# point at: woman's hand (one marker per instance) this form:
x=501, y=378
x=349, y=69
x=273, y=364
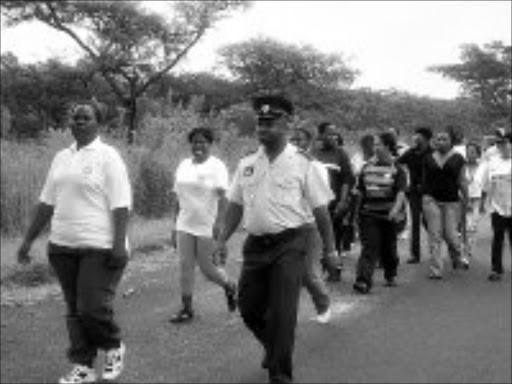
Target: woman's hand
x=23, y=253
x=118, y=258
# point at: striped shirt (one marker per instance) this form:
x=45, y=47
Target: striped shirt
x=379, y=184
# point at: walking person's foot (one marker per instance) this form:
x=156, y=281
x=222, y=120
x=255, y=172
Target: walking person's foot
x=495, y=276
x=184, y=315
x=413, y=260
x=361, y=287
x=231, y=299
x=78, y=375
x=114, y=363
x=324, y=316
x=435, y=276
x=391, y=282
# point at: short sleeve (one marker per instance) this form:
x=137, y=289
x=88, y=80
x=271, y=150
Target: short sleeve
x=221, y=176
x=317, y=189
x=235, y=194
x=482, y=176
x=49, y=192
x=118, y=187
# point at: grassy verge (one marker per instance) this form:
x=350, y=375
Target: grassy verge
x=146, y=237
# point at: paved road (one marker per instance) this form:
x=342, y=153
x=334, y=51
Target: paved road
x=452, y=331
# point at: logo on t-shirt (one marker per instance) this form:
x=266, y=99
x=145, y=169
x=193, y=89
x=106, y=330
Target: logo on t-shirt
x=87, y=170
x=248, y=171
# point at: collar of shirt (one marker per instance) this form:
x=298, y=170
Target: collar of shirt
x=95, y=144
x=288, y=150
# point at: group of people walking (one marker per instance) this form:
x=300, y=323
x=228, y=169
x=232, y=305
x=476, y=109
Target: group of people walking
x=302, y=202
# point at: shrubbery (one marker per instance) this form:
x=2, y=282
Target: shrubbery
x=160, y=145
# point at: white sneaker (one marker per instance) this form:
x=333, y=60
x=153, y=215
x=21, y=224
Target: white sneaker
x=114, y=363
x=78, y=375
x=324, y=317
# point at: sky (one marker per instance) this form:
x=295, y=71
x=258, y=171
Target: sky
x=392, y=43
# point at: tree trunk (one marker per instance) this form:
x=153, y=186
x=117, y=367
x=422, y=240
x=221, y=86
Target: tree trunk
x=131, y=106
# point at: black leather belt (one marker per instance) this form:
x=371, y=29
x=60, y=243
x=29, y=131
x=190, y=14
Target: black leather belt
x=274, y=238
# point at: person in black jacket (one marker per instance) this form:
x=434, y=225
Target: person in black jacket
x=341, y=179
x=413, y=159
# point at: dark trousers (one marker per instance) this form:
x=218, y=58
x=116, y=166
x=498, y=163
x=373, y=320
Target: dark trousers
x=416, y=208
x=500, y=225
x=378, y=240
x=269, y=291
x=88, y=286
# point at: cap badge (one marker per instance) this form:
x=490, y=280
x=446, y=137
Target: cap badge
x=265, y=108
x=248, y=171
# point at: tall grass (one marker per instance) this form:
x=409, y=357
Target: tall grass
x=160, y=145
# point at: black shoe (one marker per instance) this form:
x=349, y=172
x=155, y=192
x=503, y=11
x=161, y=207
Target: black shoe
x=183, y=316
x=334, y=275
x=460, y=264
x=231, y=300
x=361, y=287
x=413, y=260
x=435, y=276
x=264, y=362
x=495, y=276
x=390, y=282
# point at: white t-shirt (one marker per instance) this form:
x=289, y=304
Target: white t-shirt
x=84, y=187
x=460, y=148
x=197, y=186
x=495, y=176
x=474, y=185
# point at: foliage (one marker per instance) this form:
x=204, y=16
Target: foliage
x=486, y=74
x=266, y=64
x=37, y=95
x=131, y=47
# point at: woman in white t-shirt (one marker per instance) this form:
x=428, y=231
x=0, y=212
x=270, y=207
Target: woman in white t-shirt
x=200, y=186
x=496, y=179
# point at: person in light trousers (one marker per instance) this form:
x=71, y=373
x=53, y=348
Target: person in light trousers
x=445, y=195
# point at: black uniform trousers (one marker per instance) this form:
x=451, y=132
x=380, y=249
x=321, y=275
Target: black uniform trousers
x=269, y=291
x=500, y=226
x=417, y=218
x=378, y=241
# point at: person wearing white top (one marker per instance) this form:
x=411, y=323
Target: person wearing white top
x=200, y=187
x=87, y=197
x=496, y=180
x=275, y=190
x=473, y=165
x=302, y=139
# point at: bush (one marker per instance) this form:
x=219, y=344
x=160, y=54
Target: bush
x=153, y=189
x=161, y=144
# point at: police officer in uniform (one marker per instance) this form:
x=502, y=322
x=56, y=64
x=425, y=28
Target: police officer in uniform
x=273, y=190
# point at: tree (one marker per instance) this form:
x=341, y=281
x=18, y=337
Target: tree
x=266, y=64
x=37, y=95
x=486, y=74
x=131, y=47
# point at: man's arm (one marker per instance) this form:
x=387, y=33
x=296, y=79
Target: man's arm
x=324, y=225
x=347, y=175
x=222, y=204
x=232, y=218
